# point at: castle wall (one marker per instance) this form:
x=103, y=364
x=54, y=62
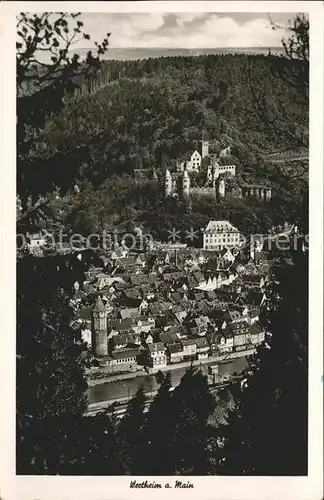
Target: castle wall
x=221, y=169
x=203, y=192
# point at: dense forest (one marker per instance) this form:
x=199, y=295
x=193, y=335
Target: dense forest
x=149, y=115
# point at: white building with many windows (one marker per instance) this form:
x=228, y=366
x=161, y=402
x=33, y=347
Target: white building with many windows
x=192, y=162
x=220, y=234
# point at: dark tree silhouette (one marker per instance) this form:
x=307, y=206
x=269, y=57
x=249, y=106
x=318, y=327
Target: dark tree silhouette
x=267, y=431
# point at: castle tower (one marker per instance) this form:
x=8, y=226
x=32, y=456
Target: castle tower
x=185, y=184
x=215, y=173
x=99, y=329
x=204, y=148
x=168, y=183
x=220, y=188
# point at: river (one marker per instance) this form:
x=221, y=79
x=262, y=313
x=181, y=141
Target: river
x=127, y=388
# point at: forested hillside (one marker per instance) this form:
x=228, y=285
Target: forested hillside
x=151, y=113
x=160, y=106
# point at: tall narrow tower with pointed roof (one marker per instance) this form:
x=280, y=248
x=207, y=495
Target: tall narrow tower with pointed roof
x=185, y=184
x=168, y=183
x=204, y=148
x=99, y=329
x=204, y=145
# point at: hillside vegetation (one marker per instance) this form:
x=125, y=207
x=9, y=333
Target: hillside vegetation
x=151, y=113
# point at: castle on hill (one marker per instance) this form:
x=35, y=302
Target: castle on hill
x=178, y=183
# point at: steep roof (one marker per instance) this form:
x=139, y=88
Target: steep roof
x=214, y=226
x=156, y=346
x=99, y=305
x=126, y=354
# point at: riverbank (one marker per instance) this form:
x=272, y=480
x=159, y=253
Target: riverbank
x=174, y=366
x=207, y=361
x=121, y=402
x=101, y=395
x=113, y=378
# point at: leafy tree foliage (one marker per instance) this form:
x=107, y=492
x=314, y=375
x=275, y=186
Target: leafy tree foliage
x=46, y=75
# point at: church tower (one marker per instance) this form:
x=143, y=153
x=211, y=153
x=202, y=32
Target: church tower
x=220, y=188
x=167, y=183
x=185, y=184
x=99, y=329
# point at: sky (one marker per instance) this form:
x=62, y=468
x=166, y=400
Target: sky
x=184, y=30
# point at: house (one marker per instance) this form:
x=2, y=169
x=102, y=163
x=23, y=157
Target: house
x=201, y=324
x=219, y=318
x=257, y=334
x=125, y=359
x=202, y=347
x=233, y=316
x=213, y=340
x=226, y=341
x=192, y=162
x=175, y=298
x=102, y=280
x=181, y=316
x=227, y=255
x=127, y=263
x=116, y=326
x=253, y=280
x=143, y=324
x=210, y=295
x=86, y=336
x=253, y=315
x=220, y=234
x=117, y=342
x=119, y=253
x=240, y=333
x=140, y=261
x=159, y=308
x=157, y=354
x=129, y=312
x=169, y=338
x=124, y=340
x=131, y=294
x=148, y=338
x=137, y=279
x=189, y=347
x=199, y=277
x=175, y=353
x=85, y=314
x=36, y=240
x=198, y=296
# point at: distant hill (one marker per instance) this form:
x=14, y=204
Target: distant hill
x=133, y=53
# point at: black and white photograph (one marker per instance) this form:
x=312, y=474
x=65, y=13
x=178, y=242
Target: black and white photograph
x=162, y=245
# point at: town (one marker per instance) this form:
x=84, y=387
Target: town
x=173, y=304
x=155, y=306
